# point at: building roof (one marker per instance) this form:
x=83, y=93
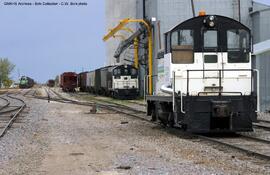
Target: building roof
x=261, y=47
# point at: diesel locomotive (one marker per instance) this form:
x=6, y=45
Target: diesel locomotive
x=26, y=82
x=206, y=83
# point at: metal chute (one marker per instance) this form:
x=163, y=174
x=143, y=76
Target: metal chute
x=128, y=42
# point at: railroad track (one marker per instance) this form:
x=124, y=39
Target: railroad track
x=123, y=106
x=249, y=145
x=122, y=109
x=8, y=113
x=7, y=103
x=100, y=103
x=262, y=124
x=252, y=146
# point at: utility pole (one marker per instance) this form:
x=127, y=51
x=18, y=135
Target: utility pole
x=239, y=10
x=144, y=11
x=19, y=74
x=193, y=8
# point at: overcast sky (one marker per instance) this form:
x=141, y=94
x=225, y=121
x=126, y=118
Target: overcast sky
x=43, y=41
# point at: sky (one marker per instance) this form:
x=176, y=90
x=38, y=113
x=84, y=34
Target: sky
x=263, y=1
x=44, y=41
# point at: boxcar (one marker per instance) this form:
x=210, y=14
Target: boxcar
x=51, y=83
x=68, y=81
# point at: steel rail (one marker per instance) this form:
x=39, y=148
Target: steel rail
x=255, y=139
x=117, y=105
x=97, y=102
x=6, y=105
x=267, y=128
x=246, y=151
x=11, y=121
x=14, y=117
x=265, y=121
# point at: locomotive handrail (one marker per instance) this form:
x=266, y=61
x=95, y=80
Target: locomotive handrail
x=173, y=95
x=220, y=77
x=258, y=90
x=220, y=92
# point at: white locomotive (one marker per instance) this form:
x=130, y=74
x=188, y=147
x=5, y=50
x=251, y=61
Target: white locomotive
x=205, y=80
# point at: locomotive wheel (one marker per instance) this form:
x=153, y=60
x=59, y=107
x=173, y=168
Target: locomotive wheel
x=162, y=118
x=153, y=115
x=184, y=127
x=171, y=119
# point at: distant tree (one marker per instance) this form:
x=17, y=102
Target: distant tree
x=6, y=67
x=7, y=83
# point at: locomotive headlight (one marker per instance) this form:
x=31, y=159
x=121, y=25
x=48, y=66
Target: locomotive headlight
x=210, y=21
x=211, y=18
x=212, y=24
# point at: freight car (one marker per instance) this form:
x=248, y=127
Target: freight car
x=51, y=83
x=26, y=82
x=100, y=81
x=68, y=81
x=91, y=81
x=206, y=83
x=116, y=81
x=82, y=81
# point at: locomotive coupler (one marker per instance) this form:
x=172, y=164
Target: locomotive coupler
x=221, y=109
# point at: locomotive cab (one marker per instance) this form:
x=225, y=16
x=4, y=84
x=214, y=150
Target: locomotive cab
x=125, y=82
x=207, y=83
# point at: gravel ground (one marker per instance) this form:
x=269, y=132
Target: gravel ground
x=264, y=116
x=65, y=139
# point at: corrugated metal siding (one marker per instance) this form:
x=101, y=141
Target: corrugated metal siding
x=265, y=25
x=261, y=32
x=256, y=27
x=262, y=63
x=115, y=11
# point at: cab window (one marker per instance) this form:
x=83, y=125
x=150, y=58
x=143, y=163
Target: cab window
x=182, y=44
x=210, y=39
x=238, y=46
x=133, y=71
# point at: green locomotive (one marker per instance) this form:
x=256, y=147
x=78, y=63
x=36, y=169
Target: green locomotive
x=26, y=82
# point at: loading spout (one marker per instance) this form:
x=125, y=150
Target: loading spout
x=128, y=42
